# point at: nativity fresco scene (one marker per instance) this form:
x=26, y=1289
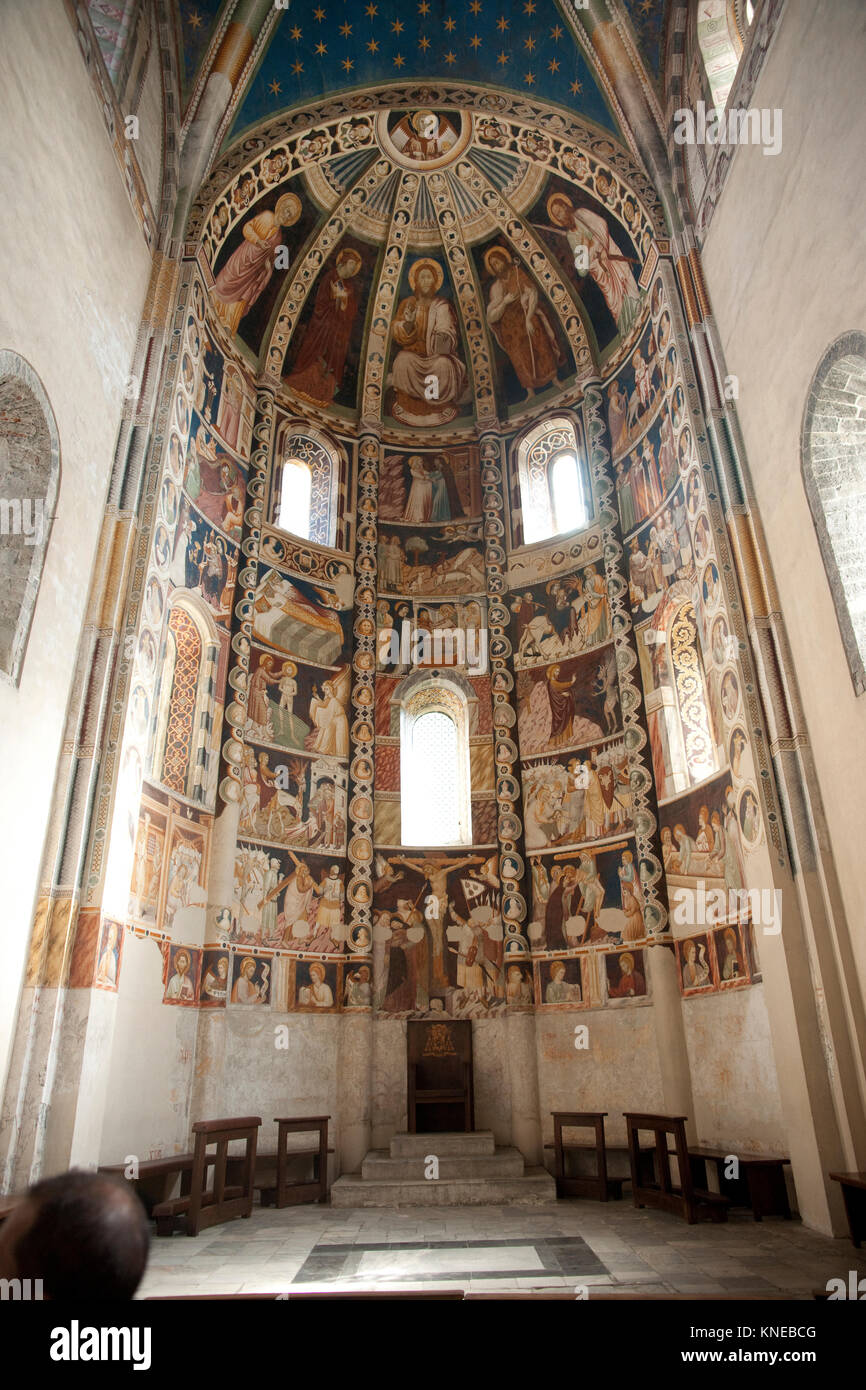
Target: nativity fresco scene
x=433, y=740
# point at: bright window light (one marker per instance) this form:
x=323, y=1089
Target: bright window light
x=569, y=503
x=431, y=790
x=295, y=496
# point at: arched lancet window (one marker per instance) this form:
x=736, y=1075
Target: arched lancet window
x=185, y=703
x=305, y=486
x=833, y=450
x=555, y=495
x=434, y=766
x=29, y=480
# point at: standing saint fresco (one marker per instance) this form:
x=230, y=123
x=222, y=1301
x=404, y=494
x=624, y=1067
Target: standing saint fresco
x=249, y=269
x=597, y=254
x=520, y=327
x=321, y=360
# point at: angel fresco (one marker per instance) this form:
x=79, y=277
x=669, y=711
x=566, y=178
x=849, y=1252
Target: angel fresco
x=249, y=269
x=520, y=326
x=319, y=366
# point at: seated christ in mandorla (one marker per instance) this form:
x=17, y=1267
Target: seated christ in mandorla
x=428, y=377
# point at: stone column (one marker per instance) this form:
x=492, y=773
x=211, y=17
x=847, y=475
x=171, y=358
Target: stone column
x=355, y=1080
x=225, y=828
x=520, y=1027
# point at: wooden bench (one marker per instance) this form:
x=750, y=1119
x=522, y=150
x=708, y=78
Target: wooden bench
x=760, y=1184
x=286, y=1192
x=598, y=1184
x=203, y=1206
x=658, y=1190
x=155, y=1177
x=854, y=1192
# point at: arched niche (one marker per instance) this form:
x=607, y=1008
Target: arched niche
x=29, y=480
x=185, y=699
x=833, y=462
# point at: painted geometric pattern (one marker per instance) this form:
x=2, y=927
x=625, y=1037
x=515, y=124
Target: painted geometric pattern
x=179, y=736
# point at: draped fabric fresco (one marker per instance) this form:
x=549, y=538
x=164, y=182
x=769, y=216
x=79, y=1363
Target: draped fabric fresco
x=407, y=291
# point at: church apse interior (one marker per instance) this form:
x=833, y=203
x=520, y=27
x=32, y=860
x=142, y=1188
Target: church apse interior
x=432, y=617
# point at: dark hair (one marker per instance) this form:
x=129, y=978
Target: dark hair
x=89, y=1237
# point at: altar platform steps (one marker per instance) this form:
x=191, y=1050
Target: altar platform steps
x=472, y=1171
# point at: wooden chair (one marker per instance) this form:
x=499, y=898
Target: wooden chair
x=287, y=1192
x=440, y=1081
x=658, y=1190
x=597, y=1185
x=202, y=1206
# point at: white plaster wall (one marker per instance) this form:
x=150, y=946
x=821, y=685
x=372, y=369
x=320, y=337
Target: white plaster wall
x=784, y=268
x=734, y=1084
x=149, y=1072
x=241, y=1071
x=620, y=1070
x=75, y=274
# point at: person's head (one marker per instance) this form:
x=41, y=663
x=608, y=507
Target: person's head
x=317, y=972
x=557, y=971
x=223, y=967
x=181, y=962
x=425, y=281
x=248, y=967
x=626, y=963
x=85, y=1235
x=691, y=951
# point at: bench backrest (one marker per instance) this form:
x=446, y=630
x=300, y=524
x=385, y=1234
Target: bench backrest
x=207, y=1206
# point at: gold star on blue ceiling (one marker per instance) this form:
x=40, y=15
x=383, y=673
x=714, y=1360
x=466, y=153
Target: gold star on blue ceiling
x=338, y=45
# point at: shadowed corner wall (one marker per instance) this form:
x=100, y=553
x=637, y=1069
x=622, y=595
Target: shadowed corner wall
x=786, y=281
x=77, y=270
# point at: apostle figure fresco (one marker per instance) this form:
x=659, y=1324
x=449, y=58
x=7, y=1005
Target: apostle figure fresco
x=428, y=376
x=569, y=703
x=521, y=327
x=321, y=359
x=596, y=253
x=215, y=483
x=249, y=269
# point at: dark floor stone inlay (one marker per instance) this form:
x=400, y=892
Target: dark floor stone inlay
x=563, y=1256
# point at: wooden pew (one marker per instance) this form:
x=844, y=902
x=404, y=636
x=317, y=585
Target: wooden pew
x=691, y=1202
x=204, y=1206
x=286, y=1192
x=854, y=1192
x=761, y=1184
x=599, y=1184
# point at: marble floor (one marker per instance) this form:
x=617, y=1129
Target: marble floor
x=572, y=1245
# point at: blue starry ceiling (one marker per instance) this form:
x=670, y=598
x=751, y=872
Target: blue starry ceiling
x=320, y=47
x=197, y=24
x=648, y=21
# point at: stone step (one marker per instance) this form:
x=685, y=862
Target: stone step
x=504, y=1163
x=444, y=1145
x=535, y=1188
